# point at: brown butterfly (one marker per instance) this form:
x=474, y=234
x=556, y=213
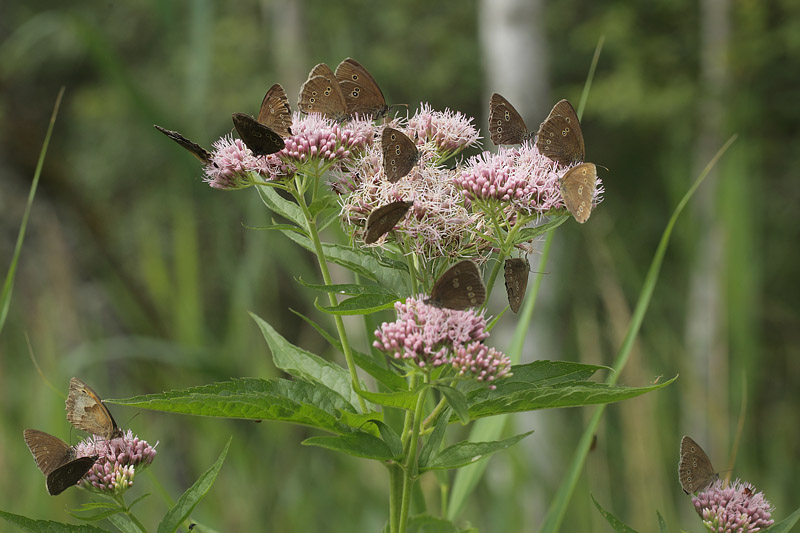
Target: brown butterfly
x=461, y=287
x=400, y=154
x=383, y=219
x=516, y=276
x=505, y=123
x=275, y=112
x=694, y=468
x=85, y=411
x=56, y=459
x=198, y=151
x=560, y=137
x=361, y=93
x=259, y=138
x=577, y=190
x=321, y=93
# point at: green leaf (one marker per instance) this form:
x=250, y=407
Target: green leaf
x=327, y=201
x=278, y=227
x=382, y=374
x=47, y=526
x=360, y=305
x=189, y=499
x=285, y=208
x=550, y=372
x=528, y=234
x=402, y=399
x=431, y=446
x=516, y=397
x=299, y=402
x=305, y=365
x=8, y=284
x=615, y=522
x=124, y=523
x=456, y=400
x=465, y=453
x=785, y=525
x=351, y=289
x=357, y=444
x=662, y=525
x=390, y=437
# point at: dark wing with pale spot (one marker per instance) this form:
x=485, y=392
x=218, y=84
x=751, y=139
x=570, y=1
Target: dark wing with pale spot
x=516, y=276
x=577, y=190
x=196, y=150
x=258, y=137
x=275, y=112
x=400, y=154
x=461, y=287
x=695, y=471
x=505, y=123
x=383, y=219
x=560, y=137
x=321, y=93
x=361, y=92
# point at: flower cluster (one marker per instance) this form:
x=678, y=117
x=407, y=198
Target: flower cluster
x=115, y=468
x=450, y=131
x=430, y=336
x=736, y=508
x=232, y=162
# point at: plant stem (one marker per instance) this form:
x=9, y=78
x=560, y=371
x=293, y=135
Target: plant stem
x=409, y=467
x=326, y=277
x=121, y=502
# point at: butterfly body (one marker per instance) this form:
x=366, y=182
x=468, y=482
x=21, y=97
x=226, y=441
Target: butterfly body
x=383, y=219
x=56, y=460
x=400, y=154
x=275, y=112
x=85, y=411
x=459, y=288
x=321, y=93
x=260, y=139
x=560, y=137
x=695, y=472
x=577, y=189
x=361, y=92
x=505, y=123
x=516, y=271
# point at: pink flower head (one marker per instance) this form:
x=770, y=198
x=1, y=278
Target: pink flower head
x=315, y=137
x=737, y=508
x=232, y=163
x=118, y=458
x=431, y=336
x=450, y=131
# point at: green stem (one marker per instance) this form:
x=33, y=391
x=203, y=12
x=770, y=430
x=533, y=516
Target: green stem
x=120, y=499
x=395, y=493
x=409, y=467
x=326, y=277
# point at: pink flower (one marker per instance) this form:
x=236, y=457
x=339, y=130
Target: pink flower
x=315, y=137
x=232, y=163
x=737, y=508
x=431, y=336
x=450, y=131
x=118, y=458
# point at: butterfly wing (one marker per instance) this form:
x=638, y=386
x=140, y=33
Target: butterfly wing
x=383, y=219
x=577, y=190
x=361, y=92
x=560, y=137
x=695, y=471
x=48, y=451
x=196, y=150
x=275, y=112
x=505, y=123
x=258, y=137
x=68, y=474
x=85, y=411
x=461, y=287
x=400, y=154
x=322, y=94
x=516, y=276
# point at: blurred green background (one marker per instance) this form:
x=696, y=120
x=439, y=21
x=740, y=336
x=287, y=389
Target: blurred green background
x=137, y=277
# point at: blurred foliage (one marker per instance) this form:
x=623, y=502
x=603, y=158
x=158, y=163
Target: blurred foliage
x=138, y=278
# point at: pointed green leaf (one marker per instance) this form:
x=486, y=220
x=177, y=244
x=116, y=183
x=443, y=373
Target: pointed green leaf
x=351, y=289
x=356, y=444
x=390, y=437
x=518, y=397
x=431, y=446
x=189, y=499
x=785, y=525
x=615, y=522
x=528, y=234
x=299, y=402
x=402, y=399
x=456, y=400
x=305, y=365
x=124, y=523
x=47, y=526
x=364, y=304
x=285, y=208
x=550, y=372
x=278, y=227
x=465, y=453
x=662, y=525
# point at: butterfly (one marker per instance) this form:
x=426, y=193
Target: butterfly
x=259, y=138
x=694, y=468
x=383, y=219
x=196, y=150
x=56, y=459
x=400, y=154
x=559, y=136
x=361, y=93
x=321, y=93
x=461, y=287
x=505, y=123
x=516, y=276
x=85, y=411
x=275, y=112
x=577, y=190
